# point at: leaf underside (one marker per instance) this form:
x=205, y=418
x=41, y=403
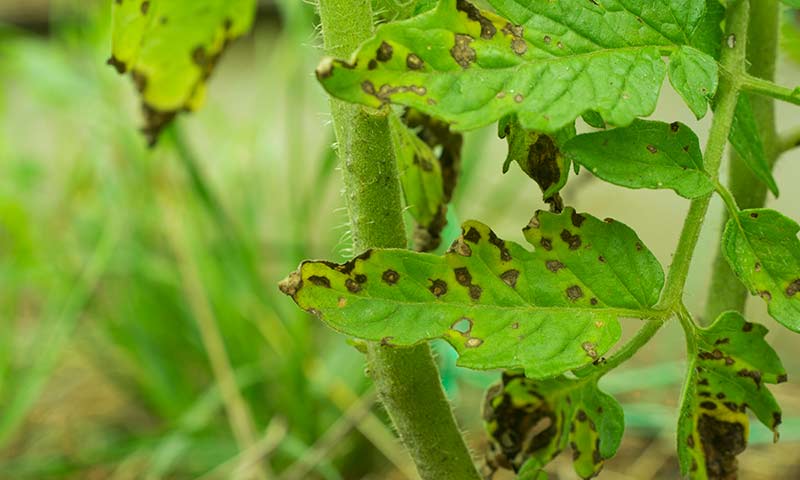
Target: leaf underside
x=170, y=48
x=727, y=375
x=549, y=62
x=530, y=422
x=498, y=304
x=645, y=154
x=762, y=247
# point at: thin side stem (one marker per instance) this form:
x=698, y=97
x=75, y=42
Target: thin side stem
x=726, y=291
x=770, y=89
x=406, y=379
x=732, y=65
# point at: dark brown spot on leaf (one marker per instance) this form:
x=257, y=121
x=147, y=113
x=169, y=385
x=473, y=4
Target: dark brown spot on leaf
x=722, y=442
x=475, y=292
x=438, y=287
x=747, y=327
x=577, y=219
x=368, y=87
x=574, y=293
x=320, y=281
x=708, y=405
x=652, y=148
x=793, y=288
x=352, y=286
x=117, y=64
x=384, y=52
x=546, y=243
x=554, y=265
x=505, y=255
x=574, y=241
x=472, y=235
x=593, y=301
x=722, y=341
x=591, y=349
x=387, y=341
x=753, y=215
x=361, y=278
x=510, y=277
x=674, y=127
x=461, y=52
x=488, y=30
x=782, y=378
x=390, y=276
x=463, y=276
x=145, y=7
x=372, y=64
x=601, y=259
x=413, y=62
x=752, y=374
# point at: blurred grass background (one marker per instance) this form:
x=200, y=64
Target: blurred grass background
x=142, y=335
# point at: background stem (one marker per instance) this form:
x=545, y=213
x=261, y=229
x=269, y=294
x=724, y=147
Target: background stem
x=726, y=291
x=406, y=379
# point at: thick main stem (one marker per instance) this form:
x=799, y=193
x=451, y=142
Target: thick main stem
x=727, y=292
x=406, y=379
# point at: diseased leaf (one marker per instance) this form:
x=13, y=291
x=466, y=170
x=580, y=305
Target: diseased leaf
x=549, y=62
x=762, y=247
x=746, y=140
x=727, y=373
x=539, y=156
x=693, y=74
x=530, y=422
x=644, y=155
x=170, y=48
x=498, y=304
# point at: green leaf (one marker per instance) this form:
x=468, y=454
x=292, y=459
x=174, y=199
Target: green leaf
x=594, y=119
x=761, y=246
x=420, y=175
x=498, y=304
x=792, y=3
x=539, y=156
x=746, y=140
x=693, y=74
x=549, y=62
x=530, y=422
x=644, y=155
x=730, y=364
x=170, y=48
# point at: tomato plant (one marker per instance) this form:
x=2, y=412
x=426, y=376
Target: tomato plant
x=548, y=313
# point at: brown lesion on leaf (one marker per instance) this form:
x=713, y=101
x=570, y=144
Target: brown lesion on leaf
x=413, y=62
x=472, y=235
x=591, y=350
x=488, y=30
x=118, y=65
x=291, y=284
x=438, y=287
x=320, y=281
x=352, y=286
x=505, y=255
x=510, y=277
x=577, y=219
x=574, y=293
x=384, y=52
x=793, y=288
x=546, y=243
x=387, y=341
x=721, y=441
x=652, y=148
x=554, y=265
x=463, y=277
x=475, y=292
x=517, y=431
x=144, y=7
x=390, y=277
x=462, y=52
x=574, y=241
x=518, y=43
x=460, y=247
x=473, y=342
x=674, y=127
x=747, y=327
x=754, y=375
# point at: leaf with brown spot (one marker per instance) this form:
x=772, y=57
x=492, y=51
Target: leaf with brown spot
x=524, y=314
x=762, y=247
x=529, y=422
x=171, y=48
x=548, y=62
x=728, y=371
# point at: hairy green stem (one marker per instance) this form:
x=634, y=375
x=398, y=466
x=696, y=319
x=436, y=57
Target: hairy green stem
x=406, y=379
x=732, y=69
x=770, y=89
x=726, y=291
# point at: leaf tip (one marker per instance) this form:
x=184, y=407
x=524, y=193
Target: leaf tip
x=291, y=284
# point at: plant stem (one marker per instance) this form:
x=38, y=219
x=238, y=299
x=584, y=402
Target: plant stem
x=726, y=291
x=732, y=66
x=406, y=379
x=770, y=89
